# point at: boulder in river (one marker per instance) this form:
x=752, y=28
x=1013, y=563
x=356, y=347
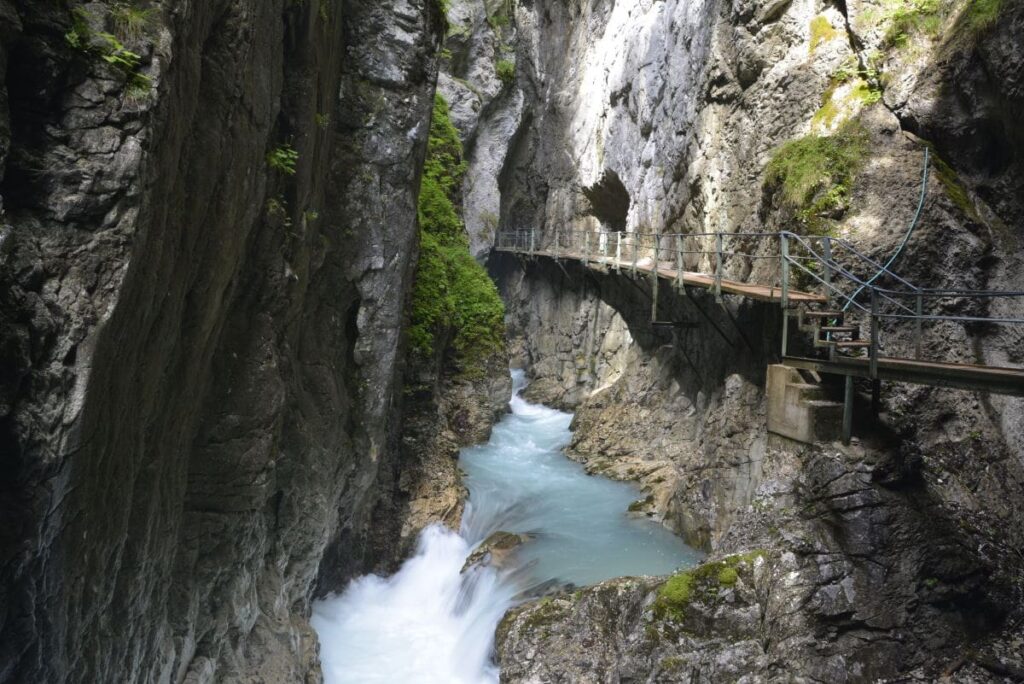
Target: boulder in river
x=495, y=550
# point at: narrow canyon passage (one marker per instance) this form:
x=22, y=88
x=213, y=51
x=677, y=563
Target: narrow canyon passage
x=431, y=622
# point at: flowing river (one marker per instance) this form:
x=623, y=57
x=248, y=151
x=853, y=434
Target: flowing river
x=431, y=624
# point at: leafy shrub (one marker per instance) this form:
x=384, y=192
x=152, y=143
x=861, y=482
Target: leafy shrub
x=909, y=17
x=506, y=71
x=283, y=159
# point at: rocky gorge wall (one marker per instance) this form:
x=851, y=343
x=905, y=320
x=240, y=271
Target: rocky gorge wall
x=208, y=234
x=899, y=554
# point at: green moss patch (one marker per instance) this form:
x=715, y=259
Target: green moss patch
x=815, y=174
x=677, y=594
x=506, y=71
x=545, y=613
x=453, y=298
x=844, y=99
x=822, y=32
x=955, y=190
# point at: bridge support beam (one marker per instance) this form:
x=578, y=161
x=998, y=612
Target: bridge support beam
x=798, y=408
x=848, y=410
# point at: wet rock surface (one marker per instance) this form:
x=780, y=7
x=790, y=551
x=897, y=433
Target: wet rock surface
x=496, y=549
x=198, y=347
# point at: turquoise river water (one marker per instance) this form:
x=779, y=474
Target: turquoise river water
x=431, y=624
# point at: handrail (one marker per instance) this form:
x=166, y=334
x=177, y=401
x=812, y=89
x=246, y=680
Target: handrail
x=623, y=248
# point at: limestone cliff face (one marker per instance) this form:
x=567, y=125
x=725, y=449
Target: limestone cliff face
x=662, y=116
x=198, y=350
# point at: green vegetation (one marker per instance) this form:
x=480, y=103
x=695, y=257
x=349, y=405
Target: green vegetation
x=672, y=664
x=978, y=17
x=815, y=174
x=453, y=297
x=277, y=212
x=907, y=18
x=109, y=47
x=130, y=23
x=497, y=21
x=861, y=93
x=822, y=32
x=506, y=70
x=543, y=614
x=703, y=581
x=728, y=576
x=955, y=190
x=283, y=159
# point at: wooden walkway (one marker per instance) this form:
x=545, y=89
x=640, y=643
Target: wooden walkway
x=934, y=373
x=1001, y=380
x=762, y=293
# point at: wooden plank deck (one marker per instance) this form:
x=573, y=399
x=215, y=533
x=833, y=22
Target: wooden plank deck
x=761, y=293
x=935, y=373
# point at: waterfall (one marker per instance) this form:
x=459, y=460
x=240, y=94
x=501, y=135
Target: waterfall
x=432, y=623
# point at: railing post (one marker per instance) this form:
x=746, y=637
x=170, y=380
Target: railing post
x=848, y=410
x=718, y=267
x=874, y=334
x=586, y=247
x=919, y=312
x=654, y=278
x=784, y=261
x=784, y=300
x=826, y=253
x=679, y=262
x=635, y=234
x=618, y=251
x=556, y=250
x=533, y=239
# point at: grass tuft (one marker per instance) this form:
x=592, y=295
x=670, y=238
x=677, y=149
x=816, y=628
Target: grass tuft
x=815, y=174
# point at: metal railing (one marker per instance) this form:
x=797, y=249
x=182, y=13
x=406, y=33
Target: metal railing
x=833, y=268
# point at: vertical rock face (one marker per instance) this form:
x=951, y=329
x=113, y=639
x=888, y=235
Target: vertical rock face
x=197, y=348
x=662, y=116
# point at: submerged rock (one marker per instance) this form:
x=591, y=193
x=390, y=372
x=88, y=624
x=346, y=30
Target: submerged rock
x=496, y=550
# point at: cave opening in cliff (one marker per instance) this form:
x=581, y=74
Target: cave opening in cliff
x=609, y=200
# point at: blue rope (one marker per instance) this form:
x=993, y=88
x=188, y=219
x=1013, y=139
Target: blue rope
x=906, y=238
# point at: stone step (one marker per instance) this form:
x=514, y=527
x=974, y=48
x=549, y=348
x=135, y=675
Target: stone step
x=806, y=391
x=839, y=329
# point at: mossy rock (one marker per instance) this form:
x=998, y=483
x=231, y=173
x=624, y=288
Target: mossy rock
x=702, y=583
x=814, y=175
x=454, y=301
